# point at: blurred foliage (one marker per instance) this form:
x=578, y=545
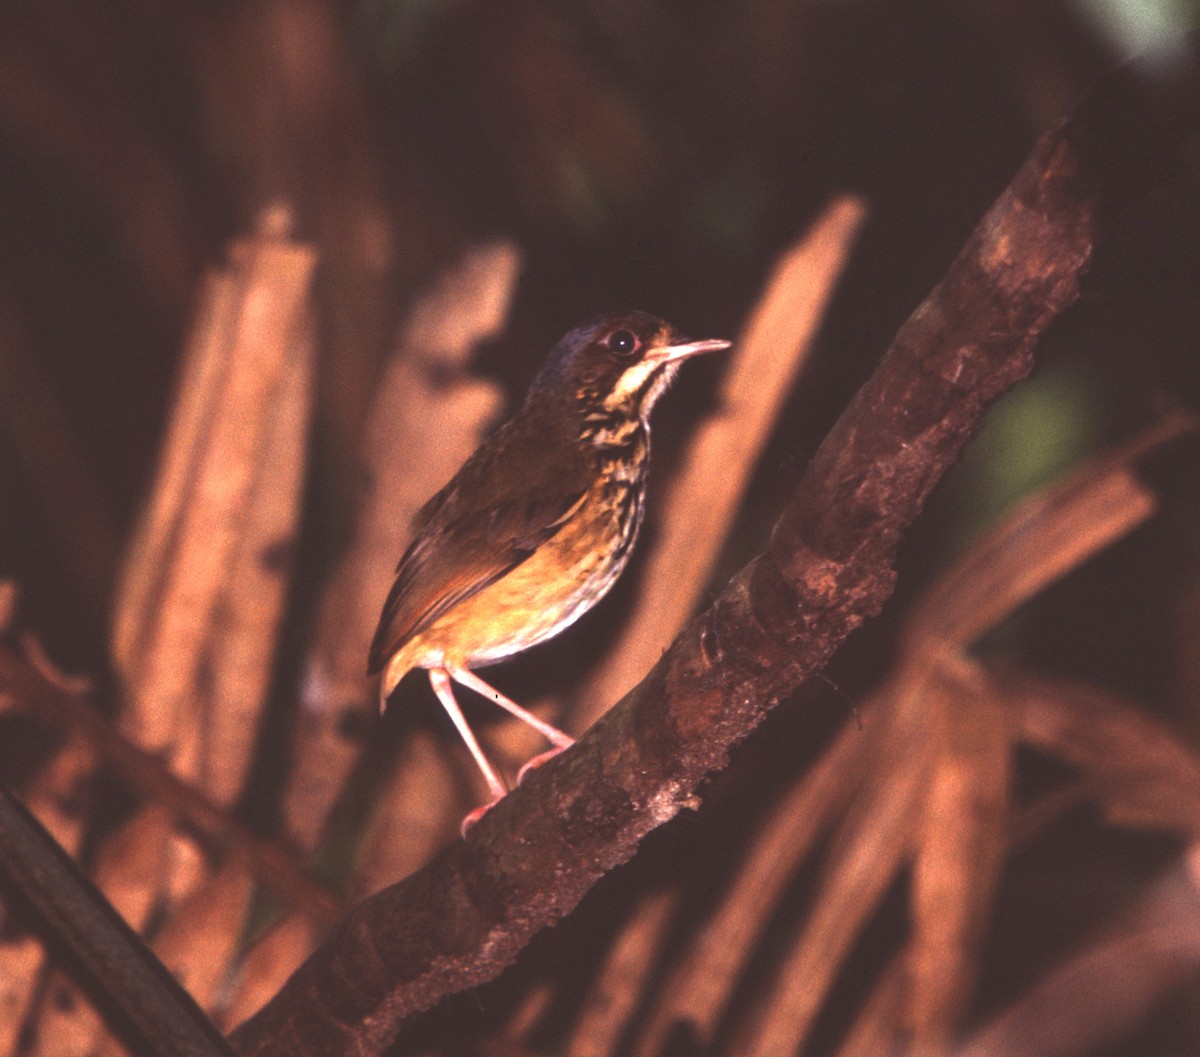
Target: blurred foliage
x=653, y=154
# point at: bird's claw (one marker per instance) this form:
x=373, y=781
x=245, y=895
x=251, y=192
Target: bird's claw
x=470, y=820
x=538, y=760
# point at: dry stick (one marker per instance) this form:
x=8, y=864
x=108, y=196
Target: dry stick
x=55, y=799
x=829, y=566
x=702, y=499
x=170, y=1023
x=145, y=775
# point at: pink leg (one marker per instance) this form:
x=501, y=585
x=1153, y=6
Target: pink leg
x=472, y=682
x=440, y=679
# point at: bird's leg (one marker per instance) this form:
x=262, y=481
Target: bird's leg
x=439, y=678
x=555, y=736
x=472, y=682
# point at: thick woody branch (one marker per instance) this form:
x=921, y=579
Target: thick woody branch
x=828, y=567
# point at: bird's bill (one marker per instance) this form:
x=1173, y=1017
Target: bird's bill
x=670, y=353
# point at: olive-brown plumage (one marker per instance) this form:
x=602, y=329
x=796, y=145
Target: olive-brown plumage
x=538, y=523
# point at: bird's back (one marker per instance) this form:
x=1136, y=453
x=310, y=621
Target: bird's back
x=505, y=502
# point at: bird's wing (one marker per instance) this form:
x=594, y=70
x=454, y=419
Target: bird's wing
x=455, y=557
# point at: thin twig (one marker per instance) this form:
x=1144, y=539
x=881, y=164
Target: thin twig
x=169, y=1022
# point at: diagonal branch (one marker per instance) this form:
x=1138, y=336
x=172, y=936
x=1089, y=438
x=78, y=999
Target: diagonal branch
x=829, y=566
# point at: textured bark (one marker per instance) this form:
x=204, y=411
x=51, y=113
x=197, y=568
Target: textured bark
x=828, y=567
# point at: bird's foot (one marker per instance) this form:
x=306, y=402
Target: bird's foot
x=476, y=815
x=540, y=759
x=537, y=761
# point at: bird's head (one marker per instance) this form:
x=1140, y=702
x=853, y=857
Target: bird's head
x=617, y=365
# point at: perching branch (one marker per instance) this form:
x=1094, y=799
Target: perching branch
x=829, y=566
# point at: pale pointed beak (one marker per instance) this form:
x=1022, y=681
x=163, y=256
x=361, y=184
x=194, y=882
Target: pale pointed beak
x=671, y=353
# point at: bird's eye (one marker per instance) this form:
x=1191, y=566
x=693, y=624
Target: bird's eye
x=623, y=342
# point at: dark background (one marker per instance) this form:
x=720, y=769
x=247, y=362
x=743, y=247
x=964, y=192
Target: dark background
x=650, y=155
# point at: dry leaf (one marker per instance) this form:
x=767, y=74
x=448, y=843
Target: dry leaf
x=615, y=995
x=1051, y=532
x=1103, y=991
x=408, y=463
x=1138, y=769
x=267, y=965
x=203, y=584
x=248, y=614
x=959, y=853
x=872, y=843
x=252, y=335
x=705, y=975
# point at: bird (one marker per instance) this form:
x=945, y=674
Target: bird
x=535, y=527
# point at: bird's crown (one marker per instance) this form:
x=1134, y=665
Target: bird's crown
x=617, y=364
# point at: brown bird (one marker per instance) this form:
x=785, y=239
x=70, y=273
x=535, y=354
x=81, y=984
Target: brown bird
x=536, y=526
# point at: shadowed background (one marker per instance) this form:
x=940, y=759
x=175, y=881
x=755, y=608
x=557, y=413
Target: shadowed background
x=426, y=197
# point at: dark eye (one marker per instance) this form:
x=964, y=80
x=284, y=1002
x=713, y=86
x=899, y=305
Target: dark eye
x=622, y=342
